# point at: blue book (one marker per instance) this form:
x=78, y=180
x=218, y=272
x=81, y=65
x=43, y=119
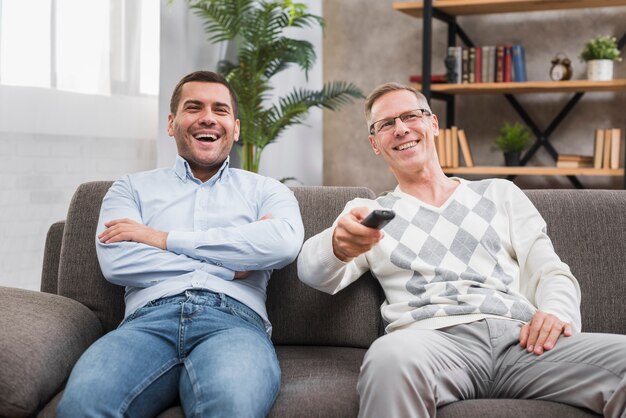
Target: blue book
x=519, y=63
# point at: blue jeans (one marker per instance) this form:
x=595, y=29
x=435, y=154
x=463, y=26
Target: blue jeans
x=205, y=348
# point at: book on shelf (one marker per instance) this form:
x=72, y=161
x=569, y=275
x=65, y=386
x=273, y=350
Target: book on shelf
x=451, y=145
x=471, y=64
x=484, y=64
x=464, y=65
x=519, y=63
x=499, y=64
x=508, y=63
x=574, y=161
x=606, y=156
x=434, y=78
x=607, y=148
x=598, y=148
x=448, y=150
x=454, y=139
x=616, y=139
x=465, y=149
x=478, y=64
x=441, y=147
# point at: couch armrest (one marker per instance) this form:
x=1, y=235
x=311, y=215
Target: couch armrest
x=41, y=337
x=51, y=258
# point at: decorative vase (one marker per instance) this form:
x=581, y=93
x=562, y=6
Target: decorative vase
x=600, y=70
x=512, y=159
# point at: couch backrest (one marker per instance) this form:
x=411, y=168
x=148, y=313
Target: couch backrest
x=299, y=314
x=80, y=277
x=588, y=230
x=302, y=315
x=587, y=227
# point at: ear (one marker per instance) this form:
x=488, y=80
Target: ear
x=170, y=125
x=236, y=132
x=374, y=145
x=435, y=125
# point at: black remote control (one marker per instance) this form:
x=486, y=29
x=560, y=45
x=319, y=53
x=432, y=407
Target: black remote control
x=378, y=218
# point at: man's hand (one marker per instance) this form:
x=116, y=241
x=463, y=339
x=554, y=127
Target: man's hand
x=350, y=238
x=128, y=230
x=542, y=332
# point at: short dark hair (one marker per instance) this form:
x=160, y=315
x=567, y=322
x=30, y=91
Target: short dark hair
x=207, y=77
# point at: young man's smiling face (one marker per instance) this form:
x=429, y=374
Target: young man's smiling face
x=406, y=146
x=204, y=127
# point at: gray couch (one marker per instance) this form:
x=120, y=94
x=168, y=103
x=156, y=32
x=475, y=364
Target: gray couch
x=320, y=339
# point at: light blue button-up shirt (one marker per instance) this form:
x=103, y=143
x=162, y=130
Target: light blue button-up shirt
x=213, y=232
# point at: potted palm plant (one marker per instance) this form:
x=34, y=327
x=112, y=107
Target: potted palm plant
x=512, y=139
x=257, y=28
x=600, y=53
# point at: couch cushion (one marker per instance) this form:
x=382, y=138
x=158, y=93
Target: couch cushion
x=80, y=277
x=301, y=315
x=41, y=337
x=318, y=381
x=510, y=408
x=588, y=229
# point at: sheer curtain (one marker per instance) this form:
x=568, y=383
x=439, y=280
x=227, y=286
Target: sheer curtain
x=78, y=103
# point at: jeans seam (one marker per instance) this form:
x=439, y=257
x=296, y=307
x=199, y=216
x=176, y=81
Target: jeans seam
x=144, y=384
x=194, y=382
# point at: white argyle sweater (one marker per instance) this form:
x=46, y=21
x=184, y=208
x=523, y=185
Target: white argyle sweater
x=484, y=253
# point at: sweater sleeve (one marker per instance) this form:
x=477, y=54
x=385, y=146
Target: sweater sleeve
x=545, y=280
x=318, y=266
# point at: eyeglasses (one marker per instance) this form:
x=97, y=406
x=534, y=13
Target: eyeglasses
x=410, y=117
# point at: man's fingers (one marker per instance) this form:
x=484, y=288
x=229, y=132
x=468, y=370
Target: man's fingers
x=553, y=337
x=523, y=336
x=568, y=330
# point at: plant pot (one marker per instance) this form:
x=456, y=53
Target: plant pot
x=600, y=70
x=512, y=159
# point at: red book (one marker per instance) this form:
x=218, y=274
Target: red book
x=508, y=62
x=478, y=66
x=434, y=78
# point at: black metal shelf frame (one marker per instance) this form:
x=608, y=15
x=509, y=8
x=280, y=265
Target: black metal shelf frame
x=542, y=137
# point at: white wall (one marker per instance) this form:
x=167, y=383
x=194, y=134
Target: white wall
x=50, y=142
x=185, y=48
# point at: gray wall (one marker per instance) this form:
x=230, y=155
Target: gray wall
x=369, y=43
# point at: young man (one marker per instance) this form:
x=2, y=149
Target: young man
x=194, y=246
x=478, y=304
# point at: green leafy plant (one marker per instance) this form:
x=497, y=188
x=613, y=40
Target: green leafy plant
x=513, y=137
x=263, y=50
x=601, y=48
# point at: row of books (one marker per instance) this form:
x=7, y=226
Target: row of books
x=451, y=144
x=606, y=152
x=486, y=64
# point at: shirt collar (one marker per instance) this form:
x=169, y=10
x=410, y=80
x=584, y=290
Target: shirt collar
x=183, y=171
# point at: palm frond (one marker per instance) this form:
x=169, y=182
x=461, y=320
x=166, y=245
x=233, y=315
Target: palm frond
x=223, y=18
x=263, y=50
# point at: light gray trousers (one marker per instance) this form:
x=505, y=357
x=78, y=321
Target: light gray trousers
x=409, y=373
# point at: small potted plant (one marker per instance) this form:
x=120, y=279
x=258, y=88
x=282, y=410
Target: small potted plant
x=512, y=140
x=600, y=53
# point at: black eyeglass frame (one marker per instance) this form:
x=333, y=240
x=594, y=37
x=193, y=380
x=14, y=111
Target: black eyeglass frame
x=425, y=112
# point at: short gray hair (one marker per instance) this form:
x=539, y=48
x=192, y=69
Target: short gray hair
x=387, y=88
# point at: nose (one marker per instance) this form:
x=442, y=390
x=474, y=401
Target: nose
x=400, y=128
x=207, y=118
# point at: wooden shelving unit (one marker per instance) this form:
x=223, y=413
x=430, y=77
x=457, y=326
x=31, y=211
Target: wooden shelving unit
x=448, y=11
x=480, y=7
x=569, y=86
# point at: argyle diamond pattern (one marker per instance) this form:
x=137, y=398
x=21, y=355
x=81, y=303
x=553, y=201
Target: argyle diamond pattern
x=455, y=256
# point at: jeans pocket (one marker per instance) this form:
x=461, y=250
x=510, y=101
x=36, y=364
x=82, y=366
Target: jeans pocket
x=250, y=317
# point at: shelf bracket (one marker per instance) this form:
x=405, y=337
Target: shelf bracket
x=543, y=137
